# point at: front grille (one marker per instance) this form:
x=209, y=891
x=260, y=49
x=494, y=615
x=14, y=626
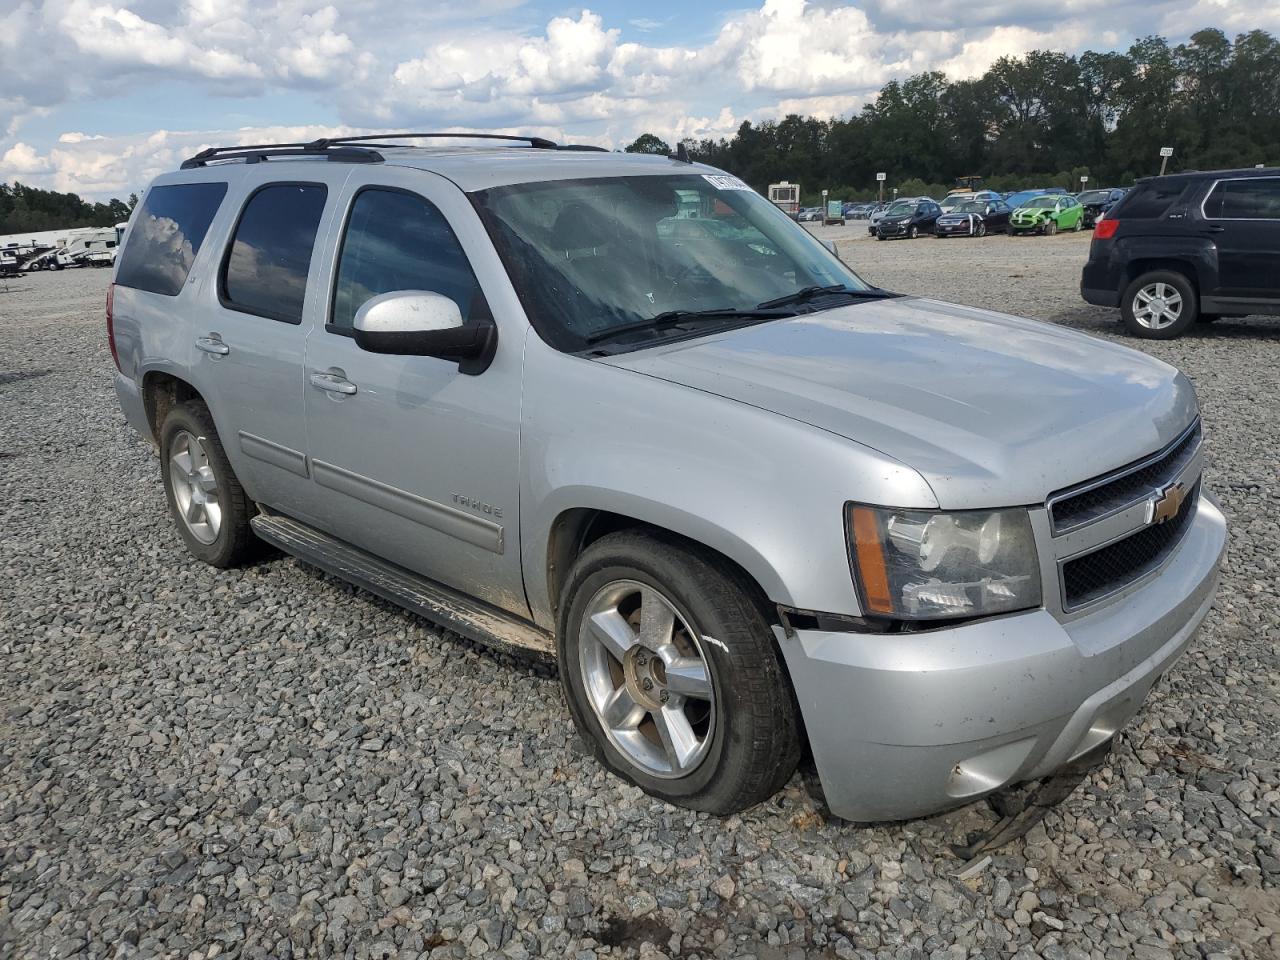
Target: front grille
x=1106, y=570
x=1083, y=504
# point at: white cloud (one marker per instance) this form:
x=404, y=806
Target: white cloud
x=389, y=64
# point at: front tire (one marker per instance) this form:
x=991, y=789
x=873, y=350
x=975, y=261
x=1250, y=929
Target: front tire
x=1050, y=228
x=914, y=232
x=669, y=668
x=1159, y=305
x=207, y=503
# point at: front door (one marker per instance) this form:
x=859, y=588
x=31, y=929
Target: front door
x=1243, y=216
x=411, y=459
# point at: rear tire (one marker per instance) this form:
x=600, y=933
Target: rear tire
x=1159, y=305
x=724, y=748
x=207, y=503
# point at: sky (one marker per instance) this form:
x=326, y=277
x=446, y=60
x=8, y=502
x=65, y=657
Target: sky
x=99, y=97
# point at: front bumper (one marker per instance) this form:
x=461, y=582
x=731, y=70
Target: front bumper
x=904, y=725
x=953, y=229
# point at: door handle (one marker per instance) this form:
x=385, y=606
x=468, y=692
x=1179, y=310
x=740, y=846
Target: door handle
x=333, y=383
x=1216, y=228
x=212, y=344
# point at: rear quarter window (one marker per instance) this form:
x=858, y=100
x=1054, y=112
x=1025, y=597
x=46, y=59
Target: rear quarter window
x=1149, y=201
x=167, y=234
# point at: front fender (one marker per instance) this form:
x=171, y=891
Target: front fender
x=763, y=490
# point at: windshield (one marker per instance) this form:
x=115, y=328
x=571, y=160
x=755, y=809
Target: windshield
x=1094, y=196
x=1038, y=202
x=588, y=256
x=900, y=208
x=971, y=206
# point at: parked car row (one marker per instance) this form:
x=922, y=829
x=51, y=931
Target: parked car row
x=978, y=213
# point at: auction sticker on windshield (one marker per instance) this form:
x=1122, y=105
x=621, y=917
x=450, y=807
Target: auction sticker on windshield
x=724, y=182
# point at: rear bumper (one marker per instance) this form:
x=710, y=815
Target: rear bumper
x=135, y=411
x=1100, y=283
x=1100, y=297
x=906, y=725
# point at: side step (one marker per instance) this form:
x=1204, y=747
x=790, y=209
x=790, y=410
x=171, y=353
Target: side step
x=455, y=611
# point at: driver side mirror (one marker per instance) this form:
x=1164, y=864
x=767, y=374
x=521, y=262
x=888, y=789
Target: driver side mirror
x=425, y=324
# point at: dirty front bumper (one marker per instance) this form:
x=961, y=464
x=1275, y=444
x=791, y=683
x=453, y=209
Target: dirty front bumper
x=904, y=725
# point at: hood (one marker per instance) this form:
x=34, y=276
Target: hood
x=992, y=410
x=1031, y=211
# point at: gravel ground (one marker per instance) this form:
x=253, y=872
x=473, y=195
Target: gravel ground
x=266, y=762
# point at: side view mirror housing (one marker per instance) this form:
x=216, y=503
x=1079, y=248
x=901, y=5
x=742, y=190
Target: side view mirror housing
x=421, y=323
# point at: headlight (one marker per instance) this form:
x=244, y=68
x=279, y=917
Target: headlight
x=927, y=565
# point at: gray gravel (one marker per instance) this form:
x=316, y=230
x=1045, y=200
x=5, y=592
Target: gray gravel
x=266, y=762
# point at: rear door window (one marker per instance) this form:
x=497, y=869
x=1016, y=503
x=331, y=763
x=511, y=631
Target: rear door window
x=265, y=271
x=399, y=241
x=166, y=236
x=1251, y=199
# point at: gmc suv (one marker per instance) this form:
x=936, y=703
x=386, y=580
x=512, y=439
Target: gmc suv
x=744, y=499
x=1188, y=247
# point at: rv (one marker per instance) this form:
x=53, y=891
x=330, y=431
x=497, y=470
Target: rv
x=786, y=197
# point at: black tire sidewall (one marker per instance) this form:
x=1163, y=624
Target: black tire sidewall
x=1190, y=308
x=228, y=547
x=670, y=570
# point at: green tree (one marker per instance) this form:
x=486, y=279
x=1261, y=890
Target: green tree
x=648, y=143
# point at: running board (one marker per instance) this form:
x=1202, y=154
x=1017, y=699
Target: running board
x=441, y=605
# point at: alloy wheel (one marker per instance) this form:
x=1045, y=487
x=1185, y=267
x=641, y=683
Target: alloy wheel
x=195, y=486
x=647, y=678
x=1157, y=306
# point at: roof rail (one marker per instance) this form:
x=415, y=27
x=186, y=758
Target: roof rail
x=540, y=143
x=257, y=152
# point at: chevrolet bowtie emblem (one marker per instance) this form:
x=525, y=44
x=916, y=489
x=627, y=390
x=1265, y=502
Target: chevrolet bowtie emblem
x=1165, y=504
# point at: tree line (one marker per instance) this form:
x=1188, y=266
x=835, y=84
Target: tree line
x=26, y=209
x=1043, y=119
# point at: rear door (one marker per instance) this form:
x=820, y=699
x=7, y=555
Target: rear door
x=1243, y=217
x=250, y=332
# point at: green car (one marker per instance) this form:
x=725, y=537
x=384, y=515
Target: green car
x=1047, y=214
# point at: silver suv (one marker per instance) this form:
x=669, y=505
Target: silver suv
x=620, y=411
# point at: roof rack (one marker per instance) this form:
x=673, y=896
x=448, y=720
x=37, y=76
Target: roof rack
x=258, y=152
x=341, y=149
x=540, y=143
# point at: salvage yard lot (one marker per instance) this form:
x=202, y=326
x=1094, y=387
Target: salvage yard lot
x=268, y=762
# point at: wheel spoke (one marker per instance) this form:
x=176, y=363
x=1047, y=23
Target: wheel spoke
x=205, y=480
x=195, y=511
x=611, y=630
x=657, y=620
x=180, y=466
x=621, y=712
x=679, y=742
x=687, y=676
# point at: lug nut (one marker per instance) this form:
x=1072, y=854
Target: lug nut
x=641, y=659
x=647, y=684
x=664, y=696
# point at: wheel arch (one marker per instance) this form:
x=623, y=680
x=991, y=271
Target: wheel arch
x=1142, y=265
x=576, y=528
x=161, y=391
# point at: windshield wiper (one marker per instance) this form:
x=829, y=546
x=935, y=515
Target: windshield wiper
x=673, y=318
x=805, y=294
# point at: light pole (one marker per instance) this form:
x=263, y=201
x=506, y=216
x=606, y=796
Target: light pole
x=1084, y=179
x=1165, y=154
x=880, y=179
